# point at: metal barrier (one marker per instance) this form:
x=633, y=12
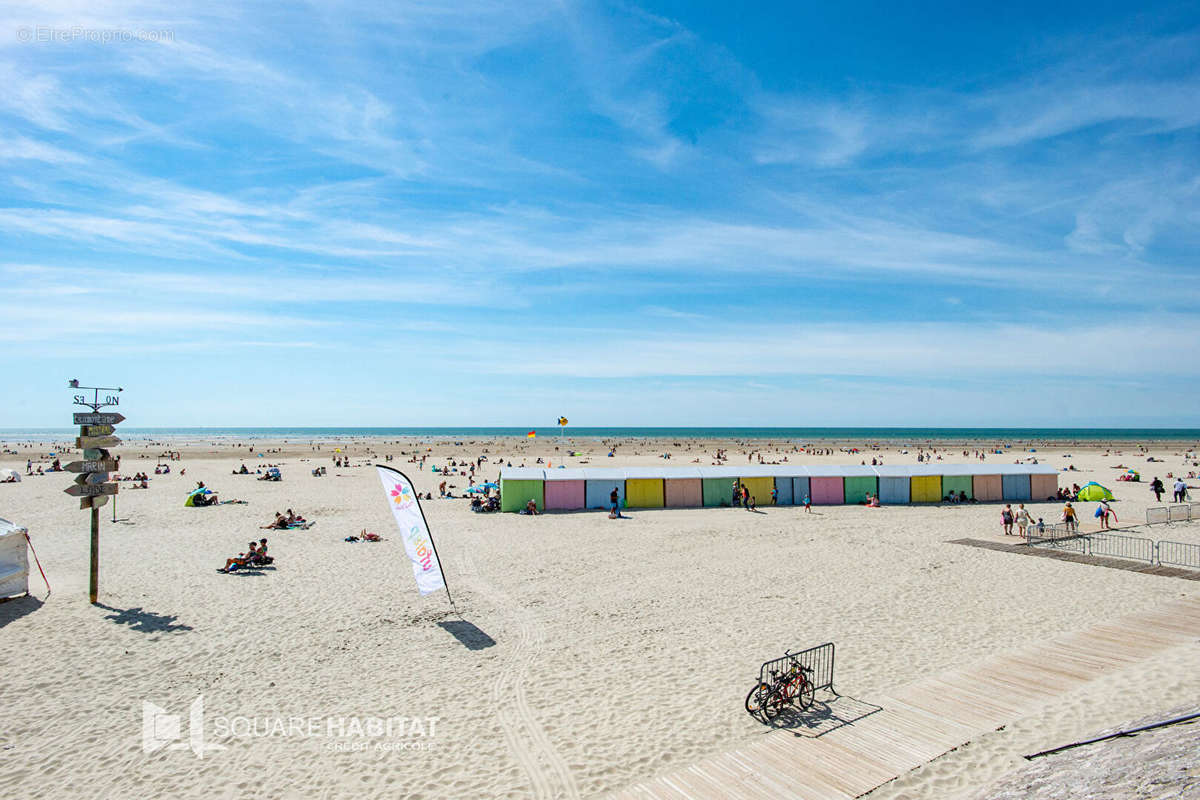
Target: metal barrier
x=819, y=659
x=1115, y=545
x=1156, y=515
x=1195, y=512
x=1118, y=546
x=1058, y=537
x=1179, y=554
x=1180, y=513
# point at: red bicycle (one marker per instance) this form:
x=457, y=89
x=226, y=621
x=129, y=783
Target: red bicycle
x=793, y=687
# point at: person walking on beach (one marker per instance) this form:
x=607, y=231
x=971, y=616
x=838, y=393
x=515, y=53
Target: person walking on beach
x=774, y=496
x=1068, y=518
x=1157, y=487
x=1180, y=490
x=1006, y=519
x=1023, y=521
x=745, y=498
x=807, y=505
x=735, y=499
x=614, y=501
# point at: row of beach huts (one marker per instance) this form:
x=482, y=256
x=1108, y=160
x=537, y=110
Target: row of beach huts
x=566, y=489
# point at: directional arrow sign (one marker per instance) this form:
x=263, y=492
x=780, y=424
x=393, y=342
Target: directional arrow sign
x=95, y=465
x=91, y=478
x=91, y=442
x=91, y=491
x=99, y=418
x=96, y=430
x=92, y=502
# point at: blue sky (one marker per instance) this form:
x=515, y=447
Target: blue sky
x=660, y=214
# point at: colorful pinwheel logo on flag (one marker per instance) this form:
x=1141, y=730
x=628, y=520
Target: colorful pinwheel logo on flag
x=401, y=495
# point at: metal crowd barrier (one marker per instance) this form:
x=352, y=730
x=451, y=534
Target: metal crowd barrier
x=1179, y=554
x=1179, y=513
x=819, y=659
x=1115, y=545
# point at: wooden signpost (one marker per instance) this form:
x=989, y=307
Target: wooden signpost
x=91, y=483
x=91, y=489
x=86, y=442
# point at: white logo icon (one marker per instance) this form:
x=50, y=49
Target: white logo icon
x=160, y=729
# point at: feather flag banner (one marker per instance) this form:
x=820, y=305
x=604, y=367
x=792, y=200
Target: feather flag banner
x=418, y=541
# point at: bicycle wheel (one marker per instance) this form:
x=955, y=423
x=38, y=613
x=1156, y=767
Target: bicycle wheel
x=757, y=699
x=804, y=697
x=774, y=703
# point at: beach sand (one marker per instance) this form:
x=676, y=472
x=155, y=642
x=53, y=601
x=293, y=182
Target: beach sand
x=590, y=653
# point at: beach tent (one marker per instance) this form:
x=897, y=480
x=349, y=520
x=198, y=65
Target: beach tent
x=987, y=488
x=192, y=495
x=1094, y=491
x=565, y=490
x=9, y=476
x=894, y=485
x=14, y=560
x=519, y=485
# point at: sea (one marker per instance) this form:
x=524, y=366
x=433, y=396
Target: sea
x=790, y=435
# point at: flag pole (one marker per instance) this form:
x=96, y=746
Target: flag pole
x=432, y=543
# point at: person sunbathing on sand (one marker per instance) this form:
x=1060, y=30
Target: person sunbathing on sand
x=279, y=524
x=242, y=559
x=261, y=556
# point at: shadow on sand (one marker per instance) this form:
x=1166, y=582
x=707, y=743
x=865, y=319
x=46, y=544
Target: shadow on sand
x=825, y=715
x=470, y=636
x=13, y=610
x=143, y=621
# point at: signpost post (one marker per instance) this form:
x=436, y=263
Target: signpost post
x=91, y=483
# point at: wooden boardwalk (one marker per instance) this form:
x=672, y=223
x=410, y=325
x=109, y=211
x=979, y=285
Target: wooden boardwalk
x=923, y=720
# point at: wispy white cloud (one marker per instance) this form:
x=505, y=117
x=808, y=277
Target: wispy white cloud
x=451, y=174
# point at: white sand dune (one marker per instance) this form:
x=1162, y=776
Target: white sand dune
x=621, y=649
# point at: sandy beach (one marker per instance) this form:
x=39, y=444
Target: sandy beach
x=588, y=653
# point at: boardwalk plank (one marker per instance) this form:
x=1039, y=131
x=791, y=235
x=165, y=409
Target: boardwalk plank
x=926, y=718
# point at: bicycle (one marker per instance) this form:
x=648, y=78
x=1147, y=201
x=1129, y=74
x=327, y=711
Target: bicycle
x=794, y=687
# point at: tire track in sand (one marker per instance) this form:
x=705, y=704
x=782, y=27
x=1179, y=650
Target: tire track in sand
x=549, y=776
